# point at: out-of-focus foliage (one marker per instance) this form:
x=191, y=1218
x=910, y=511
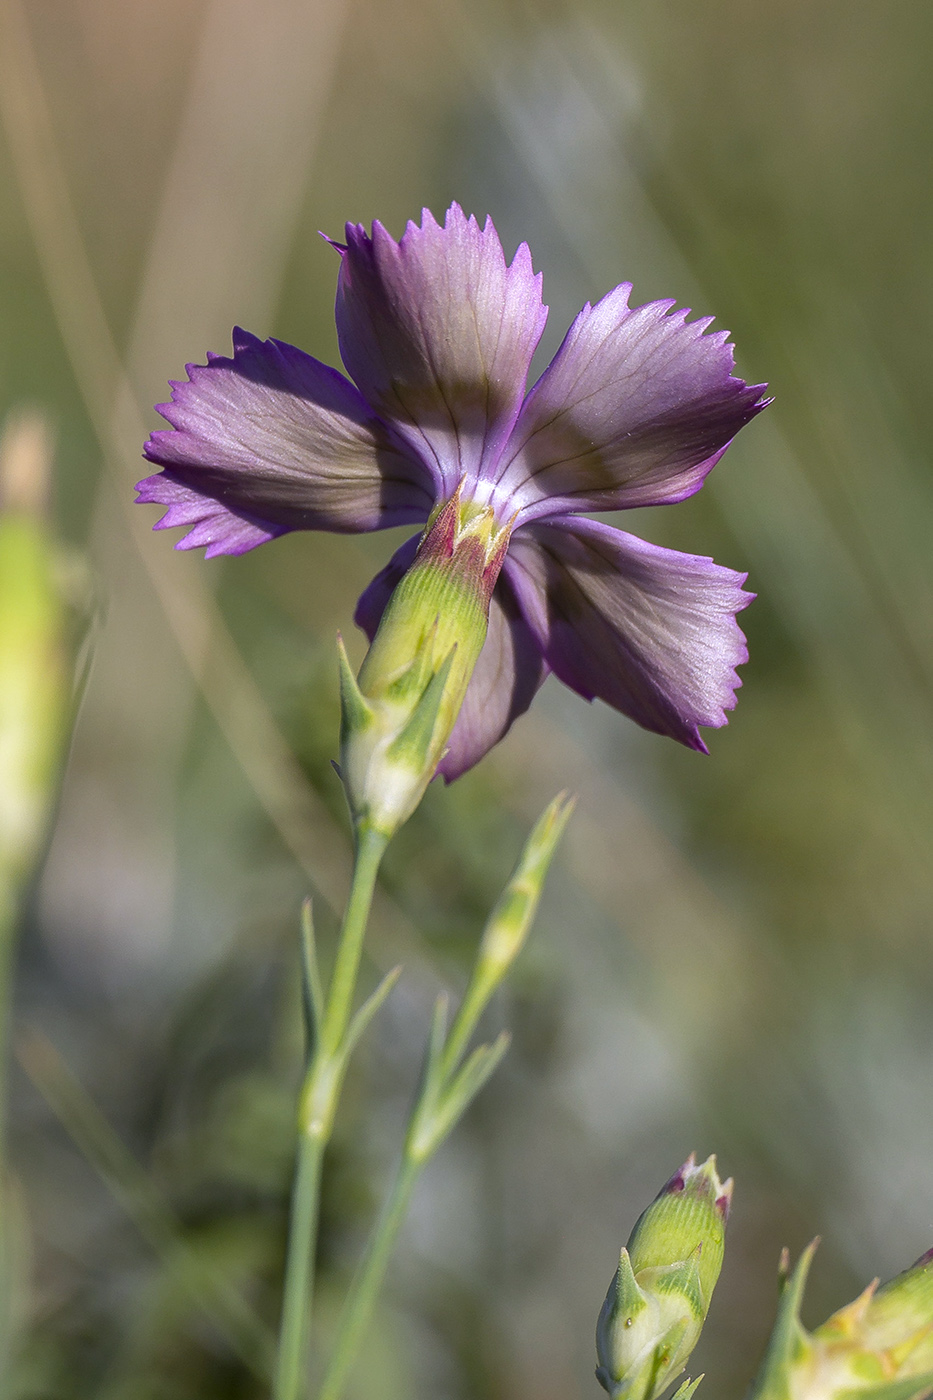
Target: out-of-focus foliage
x=735, y=952
x=33, y=687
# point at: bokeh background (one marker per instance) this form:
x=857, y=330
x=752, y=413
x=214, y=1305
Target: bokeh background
x=735, y=952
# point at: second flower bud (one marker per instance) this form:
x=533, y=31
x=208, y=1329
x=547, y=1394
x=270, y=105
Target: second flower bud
x=658, y=1300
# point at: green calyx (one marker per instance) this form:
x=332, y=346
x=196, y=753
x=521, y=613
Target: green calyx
x=659, y=1298
x=899, y=1317
x=397, y=716
x=689, y=1214
x=878, y=1347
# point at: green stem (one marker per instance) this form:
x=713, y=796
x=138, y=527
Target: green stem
x=299, y=1271
x=360, y=1302
x=8, y=912
x=318, y=1104
x=476, y=998
x=370, y=847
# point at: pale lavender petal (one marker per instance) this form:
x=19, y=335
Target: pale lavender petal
x=212, y=527
x=506, y=679
x=507, y=676
x=375, y=597
x=438, y=332
x=635, y=409
x=649, y=630
x=272, y=440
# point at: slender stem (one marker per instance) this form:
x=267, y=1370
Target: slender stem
x=299, y=1271
x=358, y=1308
x=8, y=911
x=318, y=1104
x=369, y=851
x=364, y=1290
x=476, y=998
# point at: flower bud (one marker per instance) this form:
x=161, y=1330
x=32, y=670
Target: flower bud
x=879, y=1347
x=899, y=1318
x=658, y=1301
x=398, y=715
x=33, y=694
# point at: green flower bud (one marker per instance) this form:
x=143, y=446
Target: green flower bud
x=899, y=1318
x=879, y=1347
x=657, y=1303
x=398, y=715
x=33, y=690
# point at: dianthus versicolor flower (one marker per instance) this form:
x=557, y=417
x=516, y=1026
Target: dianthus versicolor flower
x=437, y=333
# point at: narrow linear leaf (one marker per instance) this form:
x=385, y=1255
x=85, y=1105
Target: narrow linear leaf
x=457, y=1096
x=311, y=977
x=437, y=1038
x=368, y=1010
x=508, y=925
x=685, y=1391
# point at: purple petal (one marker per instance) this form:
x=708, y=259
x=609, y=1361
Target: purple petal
x=374, y=599
x=438, y=332
x=213, y=527
x=507, y=675
x=649, y=630
x=635, y=409
x=506, y=679
x=272, y=440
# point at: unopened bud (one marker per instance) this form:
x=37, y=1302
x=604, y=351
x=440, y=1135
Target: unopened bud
x=879, y=1347
x=658, y=1301
x=397, y=716
x=899, y=1318
x=510, y=920
x=32, y=680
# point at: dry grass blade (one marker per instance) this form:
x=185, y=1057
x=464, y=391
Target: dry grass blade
x=132, y=1187
x=235, y=702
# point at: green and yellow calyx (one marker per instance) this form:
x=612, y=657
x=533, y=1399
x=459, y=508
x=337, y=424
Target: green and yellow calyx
x=879, y=1347
x=398, y=714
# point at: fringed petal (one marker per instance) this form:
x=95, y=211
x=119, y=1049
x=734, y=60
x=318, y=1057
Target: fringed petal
x=635, y=409
x=438, y=331
x=649, y=630
x=270, y=441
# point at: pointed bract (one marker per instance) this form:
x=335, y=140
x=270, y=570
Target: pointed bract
x=356, y=712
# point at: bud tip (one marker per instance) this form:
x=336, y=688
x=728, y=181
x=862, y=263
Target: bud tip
x=26, y=448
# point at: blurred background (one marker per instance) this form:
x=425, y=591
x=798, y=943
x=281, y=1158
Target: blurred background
x=734, y=953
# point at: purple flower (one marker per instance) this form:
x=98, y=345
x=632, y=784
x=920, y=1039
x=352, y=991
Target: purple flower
x=437, y=332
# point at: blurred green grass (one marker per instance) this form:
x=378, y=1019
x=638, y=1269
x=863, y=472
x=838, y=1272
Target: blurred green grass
x=735, y=952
